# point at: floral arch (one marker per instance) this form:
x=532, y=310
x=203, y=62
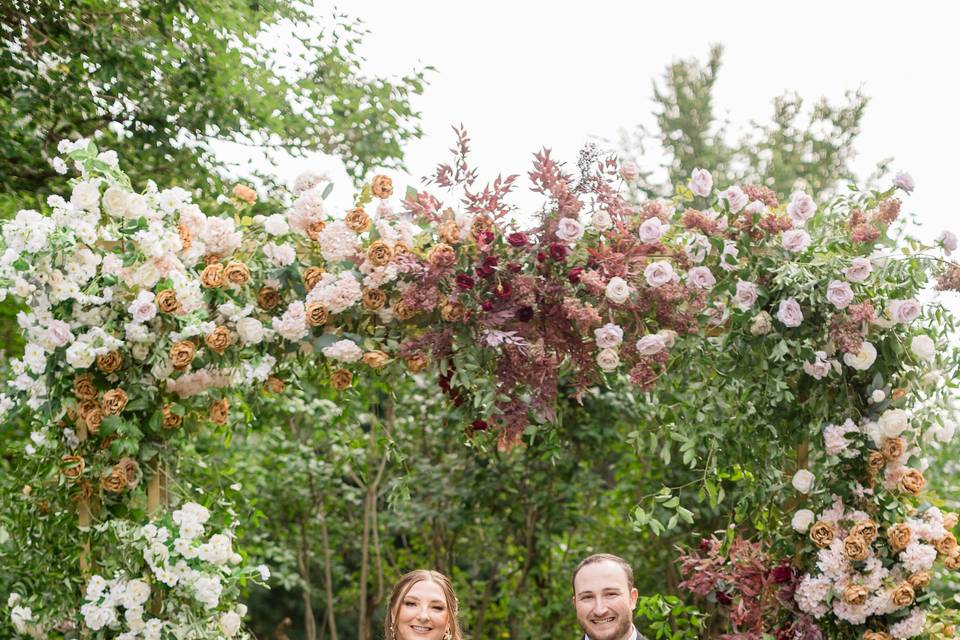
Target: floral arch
x=145, y=314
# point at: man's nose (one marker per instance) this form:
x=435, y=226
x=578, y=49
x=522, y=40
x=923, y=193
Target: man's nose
x=600, y=606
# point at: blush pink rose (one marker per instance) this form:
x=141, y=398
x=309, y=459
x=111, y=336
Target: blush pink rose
x=701, y=182
x=142, y=309
x=839, y=294
x=796, y=240
x=658, y=273
x=819, y=368
x=801, y=208
x=59, y=333
x=949, y=242
x=701, y=277
x=858, y=270
x=569, y=230
x=746, y=295
x=651, y=345
x=904, y=311
x=789, y=313
x=629, y=170
x=608, y=336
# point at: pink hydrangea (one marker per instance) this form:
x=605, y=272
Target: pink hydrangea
x=220, y=236
x=918, y=556
x=812, y=595
x=292, y=325
x=337, y=242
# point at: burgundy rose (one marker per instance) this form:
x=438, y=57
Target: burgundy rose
x=541, y=256
x=485, y=238
x=514, y=266
x=518, y=239
x=464, y=282
x=503, y=290
x=525, y=314
x=723, y=598
x=574, y=274
x=558, y=251
x=487, y=305
x=782, y=573
x=486, y=269
x=477, y=425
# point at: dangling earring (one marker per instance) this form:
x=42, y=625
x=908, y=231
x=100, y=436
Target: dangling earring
x=447, y=635
x=393, y=632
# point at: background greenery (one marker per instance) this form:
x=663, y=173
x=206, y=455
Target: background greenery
x=340, y=495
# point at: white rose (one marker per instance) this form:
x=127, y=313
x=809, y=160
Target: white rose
x=803, y=481
x=802, y=520
x=946, y=432
x=893, y=422
x=250, y=330
x=276, y=225
x=80, y=355
x=230, y=623
x=669, y=337
x=878, y=396
x=923, y=347
x=608, y=360
x=862, y=360
x=601, y=220
x=617, y=290
x=115, y=201
x=86, y=195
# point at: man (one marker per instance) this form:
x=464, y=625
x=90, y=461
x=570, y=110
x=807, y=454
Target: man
x=604, y=596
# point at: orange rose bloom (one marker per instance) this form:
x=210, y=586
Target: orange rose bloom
x=212, y=276
x=379, y=253
x=316, y=314
x=416, y=363
x=341, y=379
x=114, y=401
x=402, y=311
x=311, y=277
x=167, y=301
x=442, y=255
x=109, y=362
x=450, y=232
x=236, y=273
x=218, y=340
x=274, y=385
x=115, y=481
x=315, y=228
x=244, y=194
x=912, y=482
x=72, y=466
x=268, y=298
x=375, y=359
x=186, y=238
x=374, y=299
x=83, y=388
x=893, y=448
x=181, y=354
x=898, y=536
x=822, y=534
x=170, y=419
x=219, y=411
x=382, y=187
x=357, y=220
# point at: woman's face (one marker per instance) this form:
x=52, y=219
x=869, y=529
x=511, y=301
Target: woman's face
x=423, y=613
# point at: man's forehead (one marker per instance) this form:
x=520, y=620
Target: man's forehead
x=596, y=576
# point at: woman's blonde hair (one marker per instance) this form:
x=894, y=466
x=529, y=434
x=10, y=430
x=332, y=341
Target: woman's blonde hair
x=402, y=588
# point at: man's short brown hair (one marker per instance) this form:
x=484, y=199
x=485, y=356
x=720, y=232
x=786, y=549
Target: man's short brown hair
x=601, y=557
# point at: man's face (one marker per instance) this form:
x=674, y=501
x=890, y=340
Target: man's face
x=604, y=601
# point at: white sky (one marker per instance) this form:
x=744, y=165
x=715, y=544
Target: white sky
x=524, y=75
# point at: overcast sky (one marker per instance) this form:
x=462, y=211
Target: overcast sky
x=523, y=75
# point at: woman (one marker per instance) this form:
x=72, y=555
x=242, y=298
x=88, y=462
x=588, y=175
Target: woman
x=422, y=607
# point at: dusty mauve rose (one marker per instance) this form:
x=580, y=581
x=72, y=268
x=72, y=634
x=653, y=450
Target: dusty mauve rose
x=115, y=481
x=181, y=354
x=450, y=232
x=858, y=270
x=912, y=481
x=904, y=311
x=903, y=595
x=898, y=536
x=893, y=448
x=855, y=548
x=341, y=379
x=91, y=414
x=317, y=314
x=451, y=311
x=855, y=594
x=114, y=402
x=375, y=359
x=167, y=301
x=219, y=411
x=617, y=290
x=822, y=534
x=212, y=276
x=313, y=275
x=746, y=295
x=109, y=362
x=629, y=170
x=701, y=182
x=218, y=340
x=72, y=466
x=839, y=294
x=919, y=580
x=382, y=187
x=442, y=255
x=569, y=230
x=374, y=299
x=801, y=208
x=170, y=419
x=83, y=388
x=789, y=313
x=131, y=471
x=357, y=220
x=866, y=529
x=796, y=240
x=243, y=193
x=416, y=363
x=236, y=273
x=658, y=273
x=947, y=545
x=268, y=298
